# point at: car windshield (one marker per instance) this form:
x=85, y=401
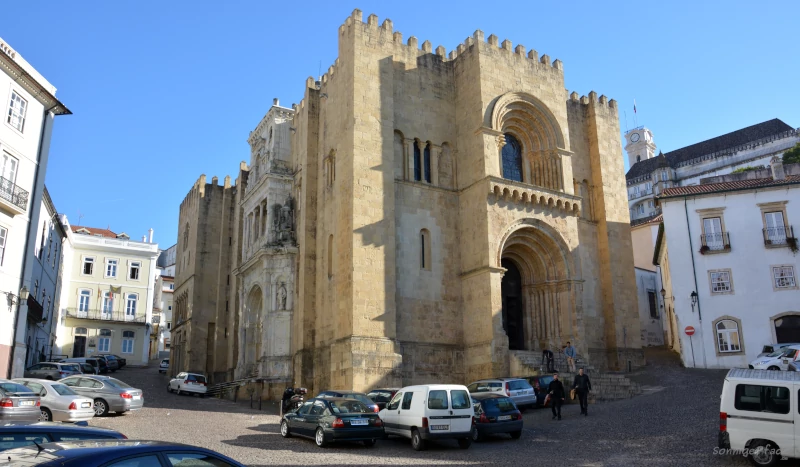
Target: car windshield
x=503, y=404
x=349, y=406
x=63, y=390
x=71, y=368
x=545, y=381
x=198, y=378
x=14, y=387
x=117, y=383
x=776, y=353
x=485, y=386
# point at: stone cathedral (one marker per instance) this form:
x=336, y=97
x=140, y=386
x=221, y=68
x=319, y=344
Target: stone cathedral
x=420, y=216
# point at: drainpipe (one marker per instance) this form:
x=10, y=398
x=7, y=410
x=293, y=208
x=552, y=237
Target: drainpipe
x=27, y=237
x=694, y=272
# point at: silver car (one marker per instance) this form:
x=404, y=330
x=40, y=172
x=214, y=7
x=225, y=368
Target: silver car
x=519, y=390
x=59, y=403
x=109, y=394
x=51, y=371
x=17, y=402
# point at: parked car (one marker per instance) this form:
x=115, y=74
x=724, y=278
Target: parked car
x=51, y=371
x=192, y=383
x=122, y=361
x=163, y=366
x=540, y=384
x=333, y=419
x=87, y=369
x=770, y=348
x=17, y=402
x=19, y=434
x=430, y=412
x=109, y=394
x=382, y=396
x=99, y=364
x=780, y=361
x=495, y=413
x=113, y=364
x=59, y=403
x=352, y=395
x=125, y=452
x=518, y=389
x=757, y=414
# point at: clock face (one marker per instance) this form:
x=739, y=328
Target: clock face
x=635, y=137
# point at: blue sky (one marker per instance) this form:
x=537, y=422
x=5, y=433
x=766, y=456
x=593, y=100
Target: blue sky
x=165, y=91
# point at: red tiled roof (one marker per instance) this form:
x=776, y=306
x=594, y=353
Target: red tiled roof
x=649, y=220
x=172, y=278
x=95, y=231
x=728, y=186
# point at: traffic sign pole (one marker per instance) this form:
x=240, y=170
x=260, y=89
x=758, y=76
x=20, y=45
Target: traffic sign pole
x=690, y=332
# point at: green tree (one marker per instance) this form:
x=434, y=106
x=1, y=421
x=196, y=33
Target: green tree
x=792, y=156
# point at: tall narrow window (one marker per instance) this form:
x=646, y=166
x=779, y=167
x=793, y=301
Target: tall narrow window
x=3, y=236
x=130, y=307
x=712, y=233
x=108, y=305
x=104, y=341
x=776, y=227
x=512, y=159
x=425, y=249
x=133, y=274
x=127, y=341
x=84, y=298
x=417, y=163
x=17, y=109
x=651, y=299
x=427, y=162
x=8, y=170
x=330, y=256
x=88, y=266
x=111, y=267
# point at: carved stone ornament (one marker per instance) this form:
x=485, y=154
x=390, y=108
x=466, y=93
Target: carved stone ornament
x=282, y=297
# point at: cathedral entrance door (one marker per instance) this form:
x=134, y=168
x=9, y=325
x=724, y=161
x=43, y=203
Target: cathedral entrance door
x=512, y=305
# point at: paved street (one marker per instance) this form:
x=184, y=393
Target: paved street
x=674, y=423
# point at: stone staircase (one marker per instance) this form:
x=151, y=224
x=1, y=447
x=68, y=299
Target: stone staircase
x=606, y=386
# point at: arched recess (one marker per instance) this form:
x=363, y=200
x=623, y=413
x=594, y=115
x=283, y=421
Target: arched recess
x=535, y=127
x=786, y=326
x=399, y=155
x=541, y=311
x=254, y=305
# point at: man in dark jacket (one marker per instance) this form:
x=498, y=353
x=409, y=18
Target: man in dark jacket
x=582, y=386
x=556, y=391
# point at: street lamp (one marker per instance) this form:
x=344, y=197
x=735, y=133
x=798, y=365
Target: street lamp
x=663, y=293
x=693, y=296
x=12, y=299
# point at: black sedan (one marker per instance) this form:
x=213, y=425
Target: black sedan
x=97, y=453
x=330, y=419
x=540, y=384
x=495, y=413
x=20, y=434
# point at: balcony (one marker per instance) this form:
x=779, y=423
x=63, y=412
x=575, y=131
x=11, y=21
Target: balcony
x=102, y=315
x=717, y=242
x=639, y=194
x=13, y=197
x=35, y=310
x=780, y=237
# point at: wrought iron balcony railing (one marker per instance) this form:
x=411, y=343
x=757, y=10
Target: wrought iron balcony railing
x=715, y=242
x=13, y=194
x=103, y=315
x=779, y=236
x=639, y=194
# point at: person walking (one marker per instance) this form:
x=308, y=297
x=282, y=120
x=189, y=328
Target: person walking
x=569, y=351
x=547, y=360
x=556, y=391
x=582, y=386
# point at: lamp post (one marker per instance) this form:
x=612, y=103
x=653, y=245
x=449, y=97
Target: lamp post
x=14, y=300
x=693, y=297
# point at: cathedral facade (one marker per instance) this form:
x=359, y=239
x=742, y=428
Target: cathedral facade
x=434, y=217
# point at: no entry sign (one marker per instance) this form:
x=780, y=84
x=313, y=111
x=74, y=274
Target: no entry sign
x=689, y=330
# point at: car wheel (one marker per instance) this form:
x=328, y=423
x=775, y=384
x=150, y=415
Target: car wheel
x=169, y=389
x=476, y=435
x=774, y=368
x=49, y=378
x=416, y=441
x=100, y=408
x=320, y=438
x=369, y=442
x=285, y=430
x=46, y=415
x=764, y=453
x=178, y=391
x=464, y=443
x=516, y=434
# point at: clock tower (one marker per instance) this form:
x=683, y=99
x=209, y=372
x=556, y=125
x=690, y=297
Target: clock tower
x=639, y=145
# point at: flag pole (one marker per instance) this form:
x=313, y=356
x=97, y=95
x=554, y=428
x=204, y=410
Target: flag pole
x=626, y=120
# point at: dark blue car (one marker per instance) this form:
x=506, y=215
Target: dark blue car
x=20, y=434
x=128, y=453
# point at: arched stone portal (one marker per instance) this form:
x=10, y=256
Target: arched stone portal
x=787, y=327
x=538, y=288
x=252, y=329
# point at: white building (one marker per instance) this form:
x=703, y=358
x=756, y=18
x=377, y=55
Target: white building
x=728, y=257
x=29, y=109
x=46, y=285
x=166, y=261
x=649, y=174
x=648, y=284
x=162, y=315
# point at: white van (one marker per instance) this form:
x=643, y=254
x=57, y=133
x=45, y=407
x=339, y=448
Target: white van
x=433, y=411
x=758, y=415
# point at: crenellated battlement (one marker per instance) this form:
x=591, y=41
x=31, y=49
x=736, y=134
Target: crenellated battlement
x=592, y=99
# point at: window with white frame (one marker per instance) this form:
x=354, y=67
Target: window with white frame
x=17, y=109
x=728, y=336
x=133, y=270
x=84, y=298
x=172, y=287
x=127, y=341
x=88, y=266
x=783, y=277
x=721, y=281
x=641, y=209
x=8, y=170
x=104, y=341
x=3, y=237
x=130, y=306
x=111, y=267
x=650, y=204
x=108, y=303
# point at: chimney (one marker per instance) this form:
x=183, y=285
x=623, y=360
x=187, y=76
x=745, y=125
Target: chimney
x=777, y=168
x=144, y=238
x=150, y=239
x=275, y=101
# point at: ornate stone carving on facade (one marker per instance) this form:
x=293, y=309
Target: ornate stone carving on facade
x=282, y=297
x=283, y=222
